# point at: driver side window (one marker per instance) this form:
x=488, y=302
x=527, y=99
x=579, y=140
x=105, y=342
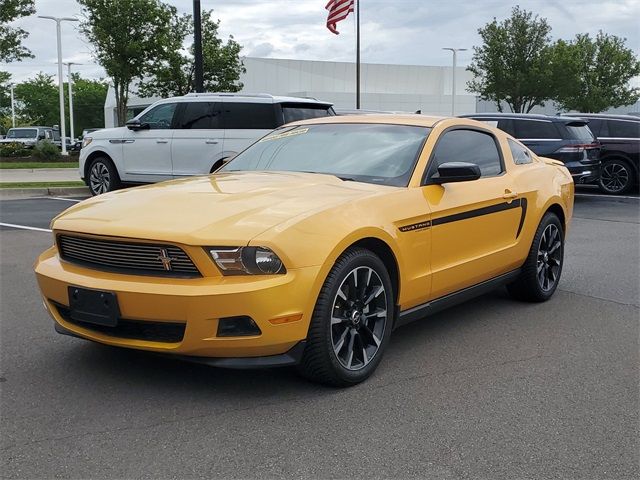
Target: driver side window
x=160, y=117
x=470, y=146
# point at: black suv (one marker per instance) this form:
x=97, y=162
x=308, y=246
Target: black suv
x=567, y=139
x=620, y=139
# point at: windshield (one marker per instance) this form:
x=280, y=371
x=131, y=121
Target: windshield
x=22, y=133
x=372, y=153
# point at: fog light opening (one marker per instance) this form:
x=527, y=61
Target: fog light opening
x=241, y=326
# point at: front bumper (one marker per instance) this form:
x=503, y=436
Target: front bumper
x=195, y=303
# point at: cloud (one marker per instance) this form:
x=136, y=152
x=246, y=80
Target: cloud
x=399, y=31
x=262, y=50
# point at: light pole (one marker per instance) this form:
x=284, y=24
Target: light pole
x=70, y=83
x=13, y=108
x=453, y=77
x=63, y=132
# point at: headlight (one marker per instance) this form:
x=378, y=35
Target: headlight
x=246, y=260
x=86, y=141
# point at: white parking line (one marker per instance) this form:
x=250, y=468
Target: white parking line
x=65, y=199
x=605, y=196
x=25, y=227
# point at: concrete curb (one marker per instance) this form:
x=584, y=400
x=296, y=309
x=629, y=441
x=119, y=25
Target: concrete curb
x=8, y=193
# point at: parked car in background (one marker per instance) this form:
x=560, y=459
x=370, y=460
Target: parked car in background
x=28, y=136
x=620, y=139
x=567, y=139
x=183, y=136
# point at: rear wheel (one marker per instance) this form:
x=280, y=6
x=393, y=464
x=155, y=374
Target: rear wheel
x=103, y=176
x=542, y=269
x=351, y=322
x=617, y=177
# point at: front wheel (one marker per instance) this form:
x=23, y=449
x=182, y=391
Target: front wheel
x=616, y=177
x=103, y=176
x=541, y=271
x=351, y=322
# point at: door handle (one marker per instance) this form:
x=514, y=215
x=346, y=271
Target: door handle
x=211, y=141
x=162, y=140
x=509, y=195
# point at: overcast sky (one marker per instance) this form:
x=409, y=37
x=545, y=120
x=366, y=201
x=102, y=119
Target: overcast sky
x=393, y=31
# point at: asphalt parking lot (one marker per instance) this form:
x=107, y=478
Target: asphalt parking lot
x=490, y=389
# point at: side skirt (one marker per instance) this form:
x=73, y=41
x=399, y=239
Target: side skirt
x=420, y=311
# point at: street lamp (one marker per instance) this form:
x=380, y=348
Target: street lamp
x=13, y=107
x=63, y=133
x=70, y=83
x=453, y=77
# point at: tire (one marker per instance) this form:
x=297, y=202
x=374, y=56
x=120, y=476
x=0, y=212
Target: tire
x=351, y=323
x=617, y=177
x=542, y=269
x=102, y=176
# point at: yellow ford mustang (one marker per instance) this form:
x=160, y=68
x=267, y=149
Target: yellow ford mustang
x=312, y=245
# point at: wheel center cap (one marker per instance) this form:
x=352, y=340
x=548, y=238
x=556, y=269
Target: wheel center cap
x=356, y=316
x=546, y=257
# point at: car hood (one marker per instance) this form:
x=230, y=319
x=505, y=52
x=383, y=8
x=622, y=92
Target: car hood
x=108, y=133
x=222, y=209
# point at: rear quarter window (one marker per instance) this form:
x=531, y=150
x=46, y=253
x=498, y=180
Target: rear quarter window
x=623, y=129
x=520, y=154
x=536, y=129
x=249, y=116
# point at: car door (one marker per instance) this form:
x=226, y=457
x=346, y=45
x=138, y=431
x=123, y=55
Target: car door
x=146, y=151
x=246, y=122
x=197, y=138
x=474, y=224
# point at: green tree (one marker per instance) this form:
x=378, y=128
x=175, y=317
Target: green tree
x=174, y=74
x=5, y=102
x=593, y=75
x=512, y=64
x=11, y=38
x=37, y=101
x=88, y=103
x=126, y=36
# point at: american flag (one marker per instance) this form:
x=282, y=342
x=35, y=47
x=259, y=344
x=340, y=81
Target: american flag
x=338, y=11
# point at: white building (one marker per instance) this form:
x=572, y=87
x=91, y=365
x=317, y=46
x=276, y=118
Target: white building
x=383, y=87
x=406, y=88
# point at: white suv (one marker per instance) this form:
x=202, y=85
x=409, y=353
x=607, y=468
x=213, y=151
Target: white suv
x=182, y=136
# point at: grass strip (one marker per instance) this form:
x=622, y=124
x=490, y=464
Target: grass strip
x=12, y=165
x=40, y=184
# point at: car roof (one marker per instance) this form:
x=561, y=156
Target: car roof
x=246, y=98
x=522, y=116
x=605, y=116
x=393, y=119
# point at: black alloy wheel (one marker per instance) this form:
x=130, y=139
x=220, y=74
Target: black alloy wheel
x=616, y=177
x=351, y=323
x=359, y=318
x=540, y=273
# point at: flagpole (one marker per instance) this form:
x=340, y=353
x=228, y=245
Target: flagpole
x=357, y=54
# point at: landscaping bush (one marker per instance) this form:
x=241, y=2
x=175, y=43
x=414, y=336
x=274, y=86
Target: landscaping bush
x=14, y=149
x=47, y=151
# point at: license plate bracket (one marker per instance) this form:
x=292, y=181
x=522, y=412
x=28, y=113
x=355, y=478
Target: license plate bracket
x=93, y=306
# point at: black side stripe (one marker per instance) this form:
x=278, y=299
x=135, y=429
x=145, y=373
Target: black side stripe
x=499, y=207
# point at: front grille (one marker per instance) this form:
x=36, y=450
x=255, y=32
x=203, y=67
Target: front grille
x=124, y=257
x=169, y=332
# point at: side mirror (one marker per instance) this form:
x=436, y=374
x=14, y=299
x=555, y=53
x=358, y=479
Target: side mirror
x=135, y=124
x=456, y=172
